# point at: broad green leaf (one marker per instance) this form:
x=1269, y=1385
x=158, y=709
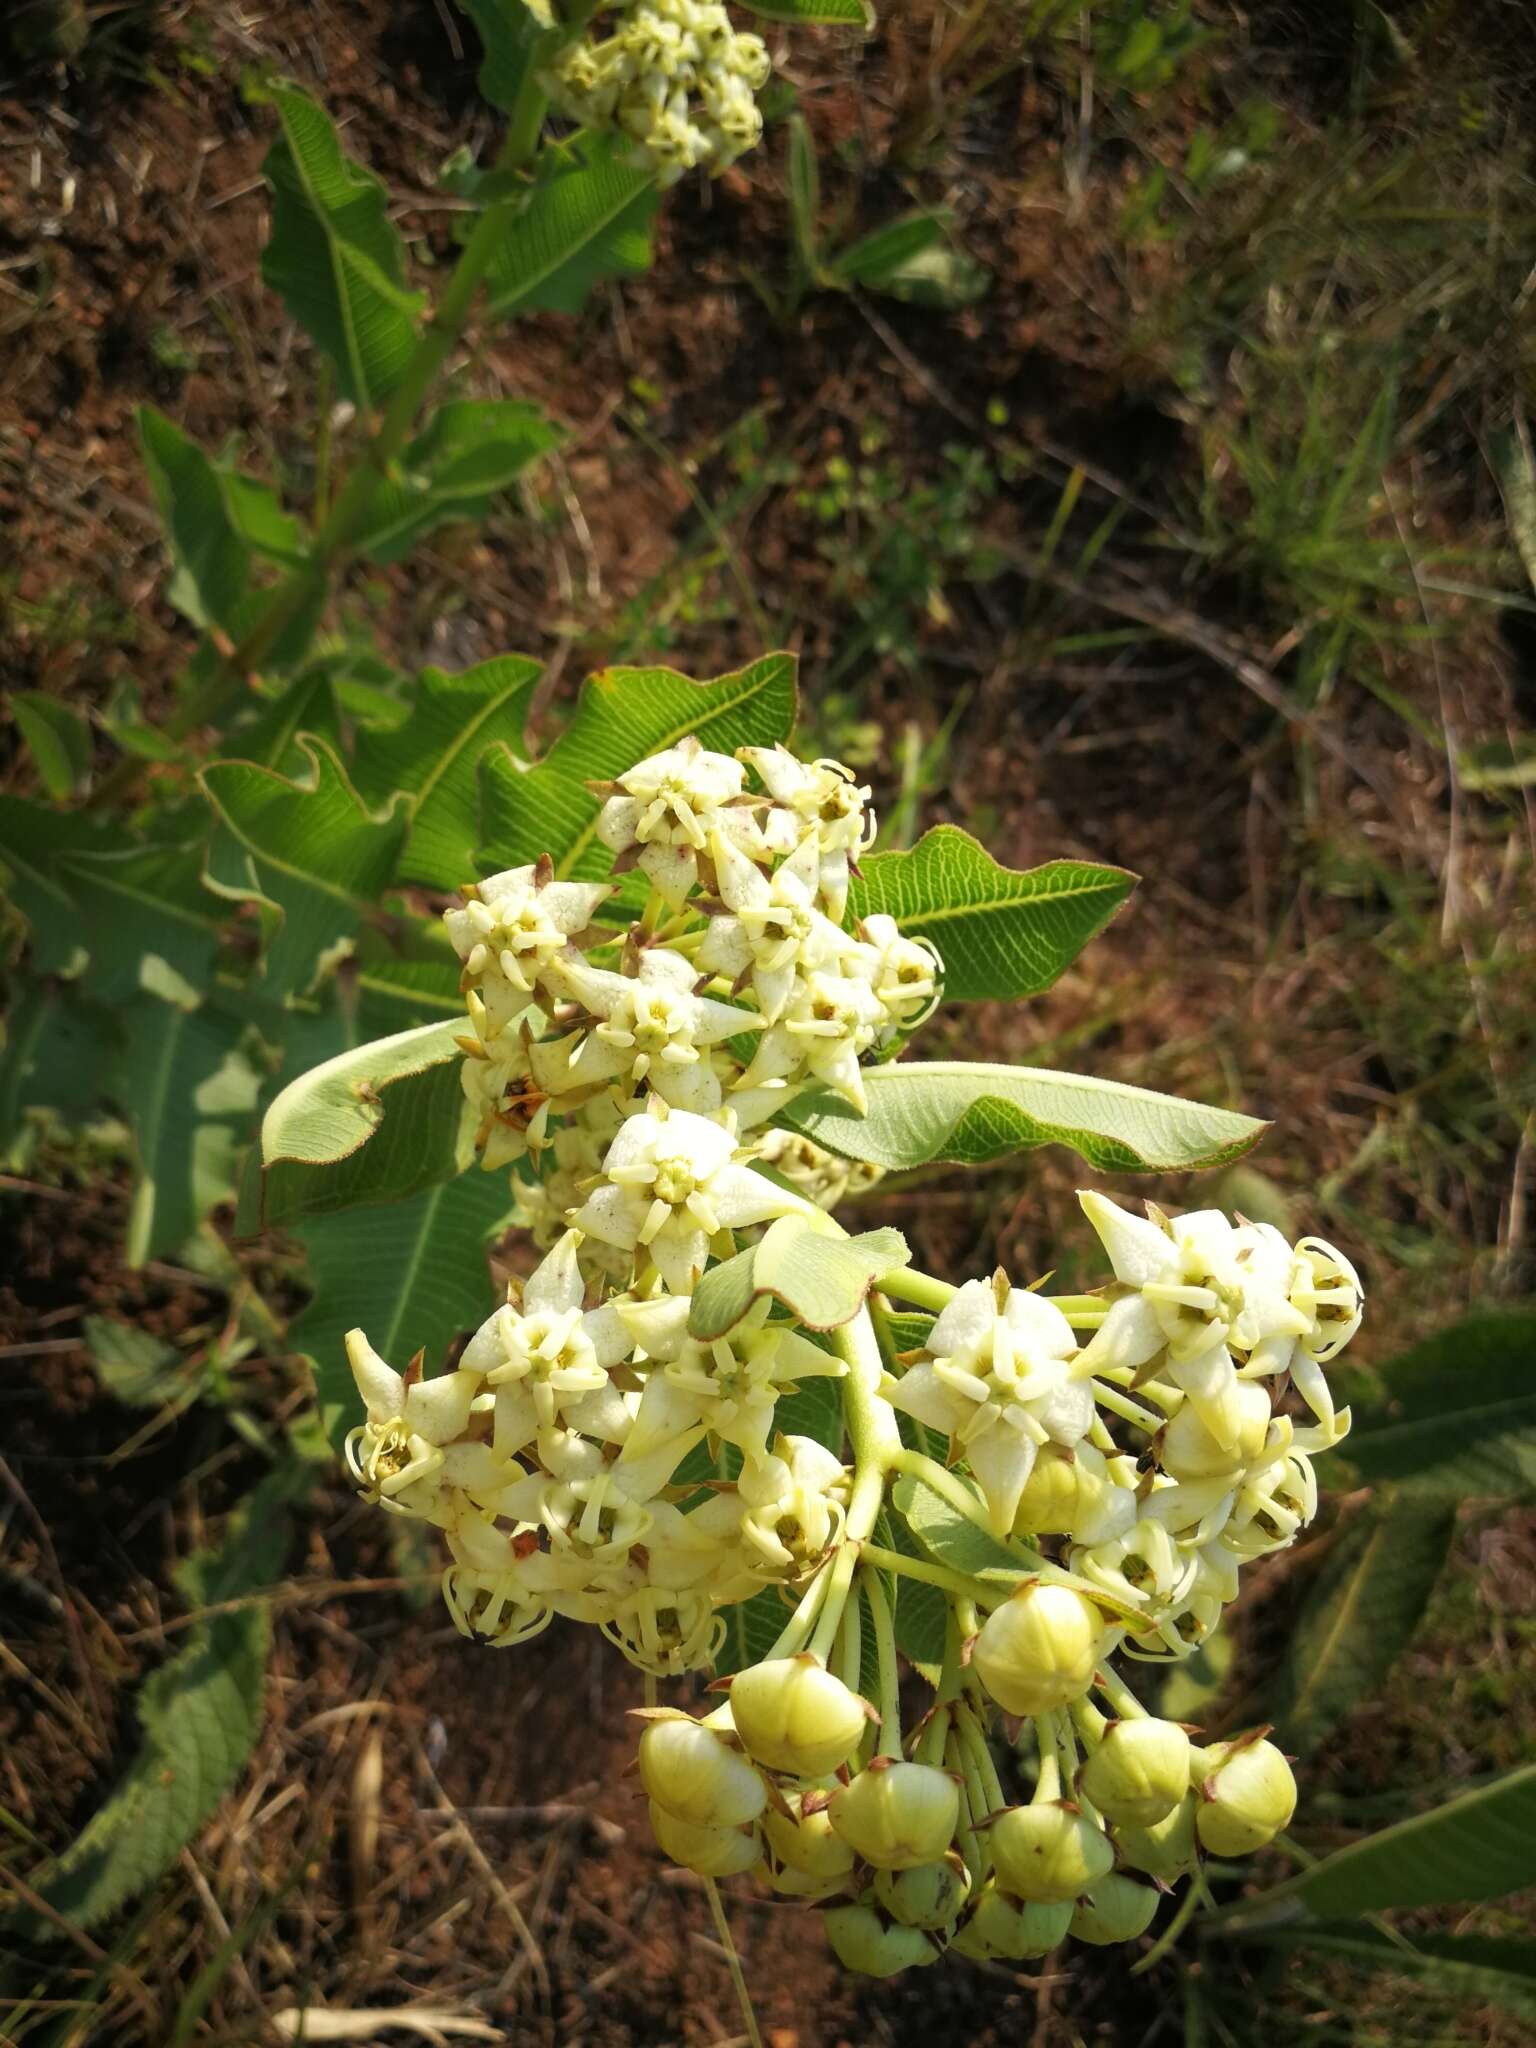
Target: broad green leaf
x=334, y=258
x=146, y=919
x=821, y=1279
x=33, y=840
x=371, y=1125
x=922, y=1611
x=140, y=1370
x=212, y=556
x=54, y=1057
x=588, y=219
x=190, y=1094
x=58, y=738
x=952, y=1110
x=1001, y=931
x=199, y=1717
x=814, y=1409
x=1514, y=464
x=1467, y=1969
x=1477, y=1846
x=876, y=255
x=622, y=716
x=802, y=181
x=435, y=756
x=308, y=705
x=1360, y=1616
x=1460, y=1414
x=413, y=1275
x=470, y=450
x=837, y=13
x=509, y=36
x=948, y=1537
x=309, y=851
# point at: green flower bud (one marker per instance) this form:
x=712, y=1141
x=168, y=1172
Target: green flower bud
x=863, y=1939
x=712, y=1852
x=1139, y=1772
x=790, y=1883
x=926, y=1895
x=998, y=1927
x=793, y=1715
x=1066, y=1493
x=1247, y=1795
x=1190, y=1451
x=1117, y=1909
x=1038, y=1650
x=1166, y=1849
x=1050, y=1852
x=686, y=1768
x=897, y=1815
x=807, y=1842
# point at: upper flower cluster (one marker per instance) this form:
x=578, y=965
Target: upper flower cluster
x=675, y=77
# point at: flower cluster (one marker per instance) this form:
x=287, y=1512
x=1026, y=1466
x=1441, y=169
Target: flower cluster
x=616, y=1447
x=674, y=77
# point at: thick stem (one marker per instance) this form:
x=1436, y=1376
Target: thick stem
x=928, y=1574
x=889, y=1701
x=921, y=1289
x=872, y=1434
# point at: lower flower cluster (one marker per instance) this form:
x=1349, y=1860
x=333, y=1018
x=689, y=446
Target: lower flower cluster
x=1010, y=1490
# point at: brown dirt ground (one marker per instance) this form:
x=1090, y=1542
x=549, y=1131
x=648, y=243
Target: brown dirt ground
x=131, y=217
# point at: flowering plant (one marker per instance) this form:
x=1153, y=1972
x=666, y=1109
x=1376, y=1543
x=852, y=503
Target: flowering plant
x=748, y=1445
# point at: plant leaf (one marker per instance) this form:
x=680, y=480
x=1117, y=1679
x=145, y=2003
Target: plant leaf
x=1360, y=1616
x=914, y=260
x=335, y=259
x=33, y=840
x=434, y=756
x=948, y=1537
x=190, y=1095
x=470, y=450
x=55, y=1056
x=588, y=219
x=1471, y=1969
x=1001, y=931
x=211, y=555
x=509, y=36
x=371, y=1125
x=873, y=257
x=199, y=1714
x=413, y=1275
x=309, y=851
x=751, y=1629
x=821, y=1279
x=622, y=716
x=140, y=1370
x=835, y=13
x=953, y=1110
x=1477, y=1846
x=146, y=918
x=1460, y=1418
x=58, y=738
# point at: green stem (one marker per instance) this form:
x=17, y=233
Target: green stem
x=733, y=1962
x=1119, y=1695
x=792, y=1637
x=889, y=1701
x=1048, y=1783
x=921, y=1289
x=1084, y=1311
x=927, y=1574
x=847, y=1658
x=872, y=1435
x=1170, y=1933
x=1127, y=1409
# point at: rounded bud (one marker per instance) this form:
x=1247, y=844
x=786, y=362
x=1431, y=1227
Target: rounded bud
x=1166, y=1849
x=864, y=1939
x=1139, y=1772
x=807, y=1842
x=1038, y=1650
x=897, y=1815
x=1117, y=1909
x=712, y=1852
x=793, y=1715
x=686, y=1768
x=926, y=1895
x=1070, y=1491
x=1000, y=1928
x=1050, y=1853
x=1247, y=1795
x=1189, y=1450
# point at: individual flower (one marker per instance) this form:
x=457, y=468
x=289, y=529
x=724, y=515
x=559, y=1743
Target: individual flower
x=905, y=974
x=728, y=1386
x=772, y=930
x=512, y=926
x=651, y=1031
x=829, y=1020
x=671, y=1181
x=999, y=1380
x=547, y=1360
x=667, y=806
x=784, y=1513
x=398, y=1455
x=1204, y=1288
x=819, y=799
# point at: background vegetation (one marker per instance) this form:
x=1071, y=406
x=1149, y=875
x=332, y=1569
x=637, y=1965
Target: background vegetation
x=1171, y=502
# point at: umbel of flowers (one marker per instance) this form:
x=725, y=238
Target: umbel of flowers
x=612, y=1445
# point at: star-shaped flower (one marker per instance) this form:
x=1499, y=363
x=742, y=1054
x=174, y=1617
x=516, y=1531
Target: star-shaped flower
x=668, y=805
x=397, y=1455
x=819, y=799
x=773, y=930
x=512, y=926
x=651, y=1028
x=999, y=1381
